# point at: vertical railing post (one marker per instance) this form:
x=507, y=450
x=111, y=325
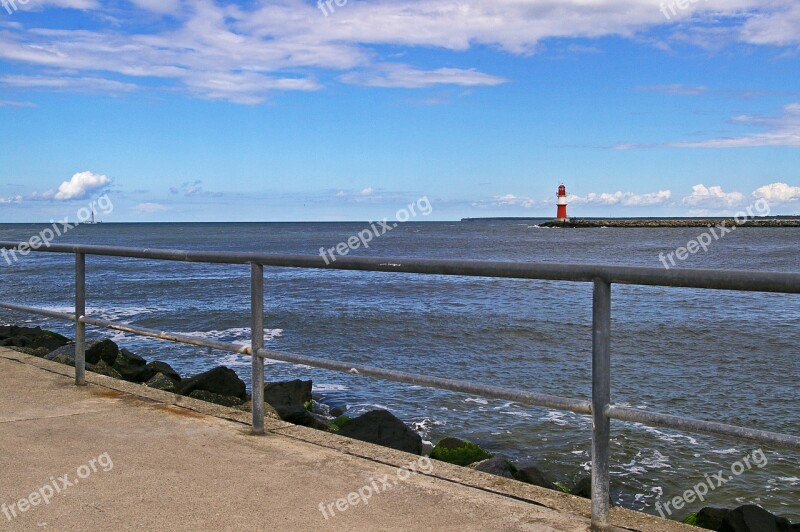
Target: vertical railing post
x=257, y=343
x=601, y=397
x=80, y=312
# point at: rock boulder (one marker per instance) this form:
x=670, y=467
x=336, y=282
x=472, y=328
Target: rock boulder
x=31, y=337
x=104, y=350
x=161, y=382
x=383, y=428
x=459, y=452
x=289, y=398
x=498, y=465
x=211, y=397
x=165, y=369
x=531, y=474
x=219, y=380
x=132, y=367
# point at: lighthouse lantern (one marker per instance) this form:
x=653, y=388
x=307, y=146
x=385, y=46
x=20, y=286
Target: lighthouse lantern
x=561, y=213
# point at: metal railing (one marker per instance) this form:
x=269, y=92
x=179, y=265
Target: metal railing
x=600, y=407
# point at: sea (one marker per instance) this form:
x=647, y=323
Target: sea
x=714, y=355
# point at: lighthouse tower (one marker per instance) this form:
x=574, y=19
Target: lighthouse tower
x=561, y=214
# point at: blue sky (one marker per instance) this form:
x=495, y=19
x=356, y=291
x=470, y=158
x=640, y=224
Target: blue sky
x=285, y=111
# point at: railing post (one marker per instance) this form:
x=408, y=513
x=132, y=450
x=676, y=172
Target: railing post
x=80, y=312
x=257, y=343
x=601, y=397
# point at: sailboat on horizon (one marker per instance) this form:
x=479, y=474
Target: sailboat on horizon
x=91, y=220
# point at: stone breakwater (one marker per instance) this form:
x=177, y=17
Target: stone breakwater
x=294, y=402
x=576, y=223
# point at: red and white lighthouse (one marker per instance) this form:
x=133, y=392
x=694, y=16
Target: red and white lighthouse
x=561, y=214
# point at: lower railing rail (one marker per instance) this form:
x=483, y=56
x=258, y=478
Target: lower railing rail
x=600, y=407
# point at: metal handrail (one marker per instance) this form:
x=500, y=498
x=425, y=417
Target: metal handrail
x=602, y=276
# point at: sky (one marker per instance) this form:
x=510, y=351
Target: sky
x=292, y=110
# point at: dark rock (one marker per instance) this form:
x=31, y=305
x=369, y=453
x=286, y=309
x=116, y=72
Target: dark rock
x=31, y=337
x=104, y=350
x=458, y=452
x=38, y=352
x=752, y=518
x=132, y=367
x=308, y=419
x=583, y=488
x=531, y=474
x=338, y=423
x=211, y=397
x=220, y=380
x=64, y=359
x=269, y=412
x=289, y=398
x=161, y=382
x=338, y=410
x=63, y=355
x=104, y=369
x=162, y=367
x=498, y=465
x=383, y=428
x=711, y=517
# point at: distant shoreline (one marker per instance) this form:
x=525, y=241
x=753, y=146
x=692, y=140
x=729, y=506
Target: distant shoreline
x=772, y=221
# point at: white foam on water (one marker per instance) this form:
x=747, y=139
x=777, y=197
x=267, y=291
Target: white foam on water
x=557, y=417
x=657, y=461
x=235, y=360
x=236, y=335
x=108, y=313
x=663, y=436
x=330, y=387
x=517, y=414
x=725, y=451
x=477, y=400
x=642, y=463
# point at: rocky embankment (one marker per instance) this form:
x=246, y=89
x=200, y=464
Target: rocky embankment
x=576, y=223
x=294, y=402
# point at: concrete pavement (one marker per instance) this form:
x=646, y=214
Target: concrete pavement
x=120, y=456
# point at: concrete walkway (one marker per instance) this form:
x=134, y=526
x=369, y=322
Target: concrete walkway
x=119, y=456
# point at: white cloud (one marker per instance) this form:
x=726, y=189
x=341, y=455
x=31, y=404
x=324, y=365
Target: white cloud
x=82, y=5
x=149, y=208
x=510, y=200
x=15, y=199
x=783, y=130
x=188, y=188
x=675, y=89
x=81, y=185
x=774, y=27
x=86, y=84
x=404, y=76
x=41, y=196
x=367, y=191
x=163, y=7
x=714, y=196
x=625, y=199
x=244, y=53
x=15, y=103
x=778, y=193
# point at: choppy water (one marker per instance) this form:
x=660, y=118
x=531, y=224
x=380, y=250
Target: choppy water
x=721, y=356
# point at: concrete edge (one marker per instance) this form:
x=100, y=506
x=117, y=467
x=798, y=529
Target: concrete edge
x=623, y=519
